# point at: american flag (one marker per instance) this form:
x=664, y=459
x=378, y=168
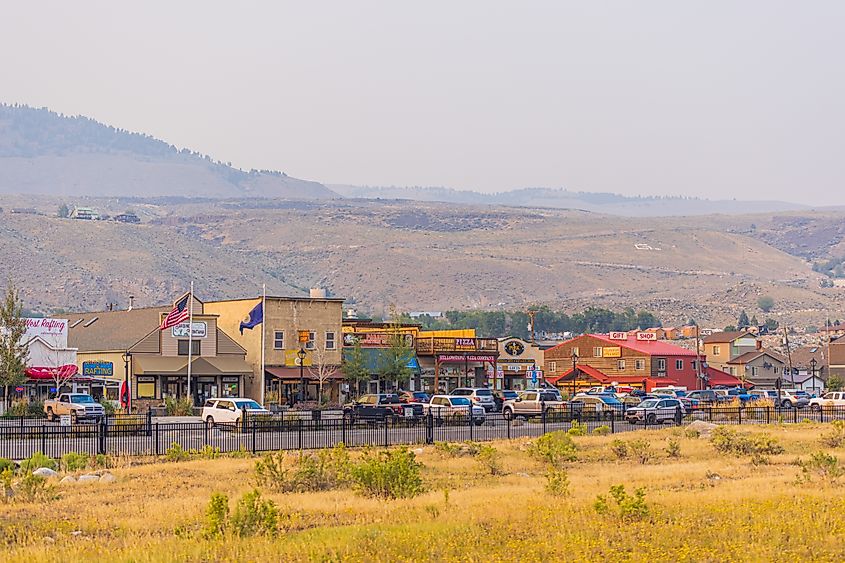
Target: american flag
x=178, y=315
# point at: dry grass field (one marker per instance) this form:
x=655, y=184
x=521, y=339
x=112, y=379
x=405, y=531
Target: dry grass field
x=701, y=506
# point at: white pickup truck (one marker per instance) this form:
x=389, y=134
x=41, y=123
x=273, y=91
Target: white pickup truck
x=78, y=405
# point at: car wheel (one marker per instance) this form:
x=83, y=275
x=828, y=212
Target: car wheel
x=209, y=423
x=507, y=414
x=651, y=419
x=478, y=421
x=787, y=404
x=608, y=415
x=815, y=407
x=50, y=416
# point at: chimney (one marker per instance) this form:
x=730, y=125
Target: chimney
x=317, y=293
x=131, y=302
x=759, y=344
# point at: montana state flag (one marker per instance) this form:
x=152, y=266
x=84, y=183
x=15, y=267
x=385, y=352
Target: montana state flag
x=256, y=317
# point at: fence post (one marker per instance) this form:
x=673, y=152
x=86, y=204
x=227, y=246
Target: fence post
x=509, y=426
x=429, y=428
x=254, y=434
x=386, y=428
x=43, y=439
x=739, y=414
x=768, y=415
x=543, y=415
x=104, y=426
x=149, y=422
x=157, y=436
x=613, y=422
x=471, y=422
x=795, y=414
x=343, y=430
x=300, y=432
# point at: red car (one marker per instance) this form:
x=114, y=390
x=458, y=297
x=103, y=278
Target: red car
x=414, y=397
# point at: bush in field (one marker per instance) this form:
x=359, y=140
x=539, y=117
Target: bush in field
x=489, y=458
x=6, y=464
x=447, y=449
x=25, y=409
x=177, y=453
x=641, y=450
x=388, y=474
x=673, y=448
x=629, y=508
x=254, y=515
x=34, y=488
x=727, y=440
x=823, y=465
x=554, y=448
x=577, y=429
x=619, y=448
x=602, y=430
x=836, y=436
x=290, y=472
x=216, y=516
x=557, y=482
x=206, y=452
x=73, y=461
x=178, y=407
x=35, y=461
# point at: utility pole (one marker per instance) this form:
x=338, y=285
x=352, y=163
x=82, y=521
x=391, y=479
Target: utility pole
x=531, y=314
x=788, y=351
x=698, y=358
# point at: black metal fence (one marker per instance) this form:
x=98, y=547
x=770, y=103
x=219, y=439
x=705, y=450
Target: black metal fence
x=142, y=435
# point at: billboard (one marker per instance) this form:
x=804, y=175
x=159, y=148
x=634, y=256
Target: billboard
x=612, y=352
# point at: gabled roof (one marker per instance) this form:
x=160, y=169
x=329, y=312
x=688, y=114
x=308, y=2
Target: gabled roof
x=112, y=330
x=801, y=356
x=727, y=336
x=753, y=355
x=649, y=347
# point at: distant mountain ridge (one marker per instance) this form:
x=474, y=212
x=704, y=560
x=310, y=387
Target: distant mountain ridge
x=44, y=152
x=558, y=198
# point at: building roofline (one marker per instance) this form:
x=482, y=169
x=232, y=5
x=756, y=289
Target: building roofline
x=279, y=297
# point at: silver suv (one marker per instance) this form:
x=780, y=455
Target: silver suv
x=532, y=403
x=480, y=396
x=656, y=411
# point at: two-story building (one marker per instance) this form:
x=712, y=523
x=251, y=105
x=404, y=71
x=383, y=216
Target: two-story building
x=116, y=346
x=638, y=359
x=518, y=358
x=762, y=368
x=290, y=324
x=722, y=347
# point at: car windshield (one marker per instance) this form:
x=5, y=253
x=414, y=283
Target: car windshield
x=462, y=392
x=81, y=399
x=801, y=394
x=510, y=394
x=549, y=397
x=648, y=404
x=483, y=392
x=460, y=401
x=250, y=405
x=608, y=400
x=420, y=395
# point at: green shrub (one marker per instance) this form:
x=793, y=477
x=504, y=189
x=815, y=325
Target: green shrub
x=489, y=458
x=6, y=464
x=254, y=515
x=103, y=461
x=727, y=440
x=108, y=406
x=73, y=461
x=6, y=477
x=206, y=452
x=692, y=434
x=641, y=450
x=177, y=453
x=577, y=429
x=34, y=488
x=557, y=482
x=629, y=508
x=823, y=465
x=619, y=448
x=302, y=472
x=447, y=449
x=602, y=430
x=216, y=516
x=388, y=474
x=37, y=460
x=554, y=448
x=836, y=436
x=673, y=448
x=25, y=409
x=178, y=407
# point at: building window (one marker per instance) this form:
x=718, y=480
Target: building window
x=620, y=365
x=717, y=350
x=183, y=347
x=694, y=365
x=278, y=340
x=753, y=371
x=145, y=387
x=310, y=344
x=639, y=364
x=330, y=345
x=552, y=366
x=575, y=351
x=679, y=365
x=597, y=352
x=661, y=364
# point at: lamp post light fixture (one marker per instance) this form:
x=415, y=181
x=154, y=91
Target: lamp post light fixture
x=301, y=356
x=813, y=364
x=126, y=357
x=574, y=371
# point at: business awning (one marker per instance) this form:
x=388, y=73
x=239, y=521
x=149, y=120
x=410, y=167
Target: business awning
x=226, y=366
x=38, y=372
x=585, y=372
x=292, y=374
x=178, y=365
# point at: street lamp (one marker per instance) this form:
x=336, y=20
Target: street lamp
x=813, y=364
x=126, y=356
x=574, y=371
x=301, y=355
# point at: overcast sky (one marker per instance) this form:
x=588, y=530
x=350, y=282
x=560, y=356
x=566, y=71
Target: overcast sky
x=718, y=99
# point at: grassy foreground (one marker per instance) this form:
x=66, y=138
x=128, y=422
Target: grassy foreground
x=703, y=506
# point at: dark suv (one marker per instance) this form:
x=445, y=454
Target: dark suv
x=382, y=407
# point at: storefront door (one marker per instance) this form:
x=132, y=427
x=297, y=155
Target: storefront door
x=206, y=389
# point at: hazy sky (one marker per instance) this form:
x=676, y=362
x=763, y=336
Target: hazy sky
x=718, y=99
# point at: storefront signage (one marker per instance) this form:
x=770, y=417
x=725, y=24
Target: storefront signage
x=647, y=336
x=612, y=352
x=42, y=327
x=98, y=369
x=198, y=329
x=304, y=336
x=465, y=344
x=374, y=339
x=514, y=348
x=292, y=360
x=618, y=336
x=467, y=358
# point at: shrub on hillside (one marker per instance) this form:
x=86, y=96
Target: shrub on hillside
x=73, y=461
x=673, y=448
x=301, y=472
x=35, y=461
x=557, y=482
x=728, y=440
x=388, y=474
x=619, y=449
x=577, y=429
x=629, y=508
x=554, y=448
x=253, y=515
x=602, y=430
x=836, y=436
x=641, y=450
x=489, y=458
x=823, y=465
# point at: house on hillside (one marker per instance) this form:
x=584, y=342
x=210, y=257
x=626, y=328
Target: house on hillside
x=127, y=218
x=809, y=369
x=85, y=214
x=722, y=347
x=762, y=368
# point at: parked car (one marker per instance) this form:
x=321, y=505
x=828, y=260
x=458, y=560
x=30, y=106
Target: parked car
x=500, y=396
x=230, y=410
x=481, y=396
x=382, y=407
x=598, y=405
x=704, y=396
x=414, y=397
x=791, y=398
x=655, y=411
x=830, y=399
x=444, y=407
x=533, y=403
x=672, y=390
x=79, y=406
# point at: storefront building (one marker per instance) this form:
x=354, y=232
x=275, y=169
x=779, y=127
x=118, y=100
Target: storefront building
x=518, y=363
x=50, y=364
x=116, y=346
x=290, y=324
x=450, y=362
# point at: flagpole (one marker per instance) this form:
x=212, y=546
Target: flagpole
x=263, y=331
x=190, y=339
